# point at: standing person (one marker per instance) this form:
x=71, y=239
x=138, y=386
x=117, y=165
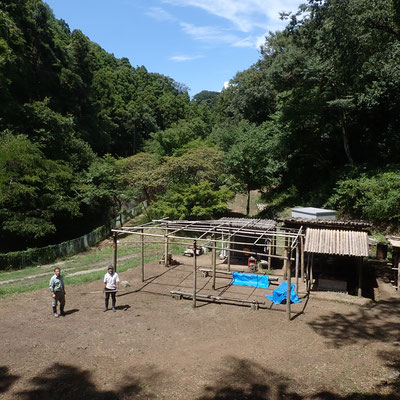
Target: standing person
x=111, y=286
x=57, y=289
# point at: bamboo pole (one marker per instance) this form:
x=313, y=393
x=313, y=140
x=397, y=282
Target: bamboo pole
x=166, y=250
x=210, y=296
x=291, y=235
x=285, y=257
x=289, y=282
x=115, y=251
x=269, y=252
x=398, y=273
x=302, y=256
x=214, y=260
x=274, y=241
x=194, y=273
x=297, y=267
x=229, y=249
x=142, y=255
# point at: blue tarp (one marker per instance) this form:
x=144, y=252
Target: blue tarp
x=240, y=278
x=280, y=293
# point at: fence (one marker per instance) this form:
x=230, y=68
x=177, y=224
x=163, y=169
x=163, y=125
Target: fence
x=48, y=254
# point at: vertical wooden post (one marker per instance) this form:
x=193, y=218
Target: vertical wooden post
x=274, y=241
x=214, y=258
x=297, y=267
x=302, y=257
x=166, y=250
x=115, y=251
x=142, y=253
x=285, y=257
x=311, y=270
x=229, y=248
x=269, y=252
x=359, y=267
x=289, y=283
x=398, y=274
x=229, y=257
x=194, y=273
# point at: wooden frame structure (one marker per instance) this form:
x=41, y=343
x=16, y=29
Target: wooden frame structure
x=263, y=235
x=395, y=243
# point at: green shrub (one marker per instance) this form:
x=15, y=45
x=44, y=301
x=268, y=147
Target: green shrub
x=375, y=198
x=191, y=202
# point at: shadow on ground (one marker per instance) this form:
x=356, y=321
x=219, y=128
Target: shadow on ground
x=66, y=382
x=380, y=322
x=238, y=379
x=245, y=380
x=6, y=379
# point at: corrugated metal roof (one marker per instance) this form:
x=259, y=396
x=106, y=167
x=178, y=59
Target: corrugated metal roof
x=336, y=242
x=394, y=241
x=247, y=222
x=329, y=223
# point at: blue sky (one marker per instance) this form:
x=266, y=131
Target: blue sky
x=200, y=43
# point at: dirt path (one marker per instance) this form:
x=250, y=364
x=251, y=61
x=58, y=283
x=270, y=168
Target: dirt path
x=155, y=347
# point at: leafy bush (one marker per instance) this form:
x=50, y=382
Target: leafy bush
x=375, y=198
x=191, y=202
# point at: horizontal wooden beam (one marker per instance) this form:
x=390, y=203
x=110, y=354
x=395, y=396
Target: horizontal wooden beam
x=271, y=278
x=209, y=296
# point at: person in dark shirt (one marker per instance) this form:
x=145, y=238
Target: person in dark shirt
x=57, y=290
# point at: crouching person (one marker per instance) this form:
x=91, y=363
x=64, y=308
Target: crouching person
x=57, y=289
x=111, y=287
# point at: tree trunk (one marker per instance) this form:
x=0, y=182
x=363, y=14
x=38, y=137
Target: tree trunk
x=248, y=201
x=345, y=137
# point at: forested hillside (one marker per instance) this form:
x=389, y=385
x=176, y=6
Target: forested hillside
x=324, y=105
x=315, y=122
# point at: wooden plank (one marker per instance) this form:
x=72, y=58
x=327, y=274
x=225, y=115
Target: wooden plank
x=209, y=296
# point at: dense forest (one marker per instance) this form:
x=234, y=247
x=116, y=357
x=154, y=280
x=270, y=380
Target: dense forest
x=315, y=122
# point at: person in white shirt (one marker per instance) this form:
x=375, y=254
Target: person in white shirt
x=111, y=287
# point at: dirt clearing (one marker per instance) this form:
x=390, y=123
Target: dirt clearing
x=156, y=347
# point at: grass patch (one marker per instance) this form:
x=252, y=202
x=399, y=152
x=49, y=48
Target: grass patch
x=37, y=278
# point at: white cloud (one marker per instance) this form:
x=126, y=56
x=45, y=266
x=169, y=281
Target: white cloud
x=182, y=58
x=159, y=14
x=249, y=41
x=209, y=33
x=246, y=15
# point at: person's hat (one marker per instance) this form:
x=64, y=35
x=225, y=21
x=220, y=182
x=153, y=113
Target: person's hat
x=110, y=267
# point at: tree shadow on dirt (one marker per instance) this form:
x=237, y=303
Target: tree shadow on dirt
x=6, y=379
x=245, y=380
x=64, y=382
x=380, y=322
x=392, y=361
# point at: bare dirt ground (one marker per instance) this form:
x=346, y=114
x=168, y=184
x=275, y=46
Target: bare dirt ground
x=156, y=347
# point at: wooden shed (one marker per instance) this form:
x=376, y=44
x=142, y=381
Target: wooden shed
x=337, y=248
x=337, y=243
